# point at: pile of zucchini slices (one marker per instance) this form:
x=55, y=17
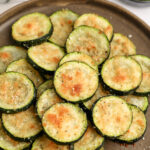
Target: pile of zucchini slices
x=70, y=82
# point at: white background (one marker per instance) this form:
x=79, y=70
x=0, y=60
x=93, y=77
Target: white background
x=139, y=9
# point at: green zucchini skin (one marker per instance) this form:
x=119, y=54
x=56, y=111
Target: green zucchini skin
x=72, y=141
x=27, y=44
x=131, y=141
x=11, y=111
x=32, y=40
x=28, y=139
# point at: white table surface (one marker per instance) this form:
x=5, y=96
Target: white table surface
x=141, y=10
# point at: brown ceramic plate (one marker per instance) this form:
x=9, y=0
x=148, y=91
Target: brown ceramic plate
x=122, y=21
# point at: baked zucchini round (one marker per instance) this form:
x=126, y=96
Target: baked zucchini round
x=45, y=56
x=121, y=74
x=137, y=128
x=64, y=123
x=81, y=57
x=90, y=41
x=17, y=92
x=22, y=66
x=32, y=29
x=144, y=61
x=62, y=21
x=112, y=116
x=75, y=81
x=96, y=21
x=9, y=54
x=47, y=99
x=22, y=126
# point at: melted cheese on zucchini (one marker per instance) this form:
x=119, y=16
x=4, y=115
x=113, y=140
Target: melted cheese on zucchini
x=100, y=92
x=112, y=116
x=43, y=143
x=62, y=21
x=64, y=122
x=8, y=143
x=9, y=54
x=46, y=55
x=31, y=27
x=43, y=87
x=90, y=141
x=77, y=56
x=24, y=124
x=121, y=45
x=137, y=127
x=90, y=41
x=145, y=64
x=16, y=91
x=95, y=21
x=47, y=99
x=139, y=101
x=75, y=81
x=22, y=66
x=121, y=73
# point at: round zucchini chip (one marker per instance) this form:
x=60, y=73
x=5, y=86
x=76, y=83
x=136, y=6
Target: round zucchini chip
x=90, y=141
x=45, y=56
x=17, y=92
x=121, y=45
x=100, y=92
x=9, y=54
x=22, y=126
x=22, y=66
x=8, y=143
x=64, y=123
x=137, y=128
x=90, y=41
x=139, y=101
x=81, y=57
x=47, y=99
x=112, y=116
x=43, y=87
x=144, y=61
x=75, y=81
x=121, y=74
x=43, y=143
x=95, y=21
x=62, y=21
x=32, y=29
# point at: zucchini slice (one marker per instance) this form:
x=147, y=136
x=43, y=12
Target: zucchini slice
x=43, y=87
x=137, y=128
x=22, y=66
x=22, y=126
x=77, y=56
x=75, y=81
x=144, y=61
x=112, y=116
x=45, y=56
x=121, y=45
x=43, y=143
x=32, y=29
x=95, y=21
x=139, y=101
x=90, y=141
x=9, y=54
x=62, y=21
x=17, y=92
x=90, y=41
x=47, y=99
x=64, y=123
x=121, y=74
x=7, y=143
x=100, y=92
